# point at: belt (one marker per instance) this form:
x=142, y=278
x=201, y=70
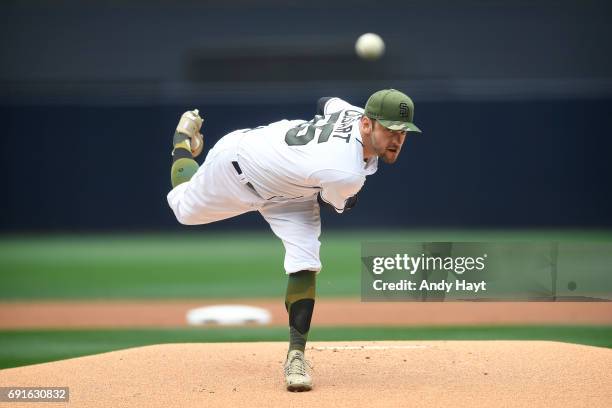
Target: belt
x=239, y=171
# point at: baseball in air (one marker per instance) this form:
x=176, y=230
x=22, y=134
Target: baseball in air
x=370, y=46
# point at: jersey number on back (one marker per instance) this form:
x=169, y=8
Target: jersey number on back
x=305, y=132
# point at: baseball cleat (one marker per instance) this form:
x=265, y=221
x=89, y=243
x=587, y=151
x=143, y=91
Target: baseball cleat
x=190, y=125
x=197, y=144
x=296, y=375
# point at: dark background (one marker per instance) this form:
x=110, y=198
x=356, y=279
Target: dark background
x=514, y=98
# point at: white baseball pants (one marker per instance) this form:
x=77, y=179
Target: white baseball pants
x=217, y=192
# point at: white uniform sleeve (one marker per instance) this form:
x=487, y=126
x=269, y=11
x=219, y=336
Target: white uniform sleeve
x=337, y=186
x=337, y=104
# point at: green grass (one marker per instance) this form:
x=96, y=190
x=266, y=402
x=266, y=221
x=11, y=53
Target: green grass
x=205, y=264
x=23, y=347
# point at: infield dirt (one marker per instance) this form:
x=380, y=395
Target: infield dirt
x=346, y=374
x=328, y=312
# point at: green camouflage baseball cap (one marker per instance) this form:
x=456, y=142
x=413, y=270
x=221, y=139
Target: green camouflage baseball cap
x=392, y=109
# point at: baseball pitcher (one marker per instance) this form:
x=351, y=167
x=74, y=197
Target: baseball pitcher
x=287, y=170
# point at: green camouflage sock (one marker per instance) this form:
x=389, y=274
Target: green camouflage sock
x=299, y=302
x=183, y=165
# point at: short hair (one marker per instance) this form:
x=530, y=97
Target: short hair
x=372, y=120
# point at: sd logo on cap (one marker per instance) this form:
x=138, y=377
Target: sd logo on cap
x=392, y=109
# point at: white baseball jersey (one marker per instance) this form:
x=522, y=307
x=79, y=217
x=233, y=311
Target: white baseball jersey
x=280, y=170
x=295, y=159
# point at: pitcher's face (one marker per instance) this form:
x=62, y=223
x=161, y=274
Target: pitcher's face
x=386, y=143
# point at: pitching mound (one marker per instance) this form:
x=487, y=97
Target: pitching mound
x=385, y=374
